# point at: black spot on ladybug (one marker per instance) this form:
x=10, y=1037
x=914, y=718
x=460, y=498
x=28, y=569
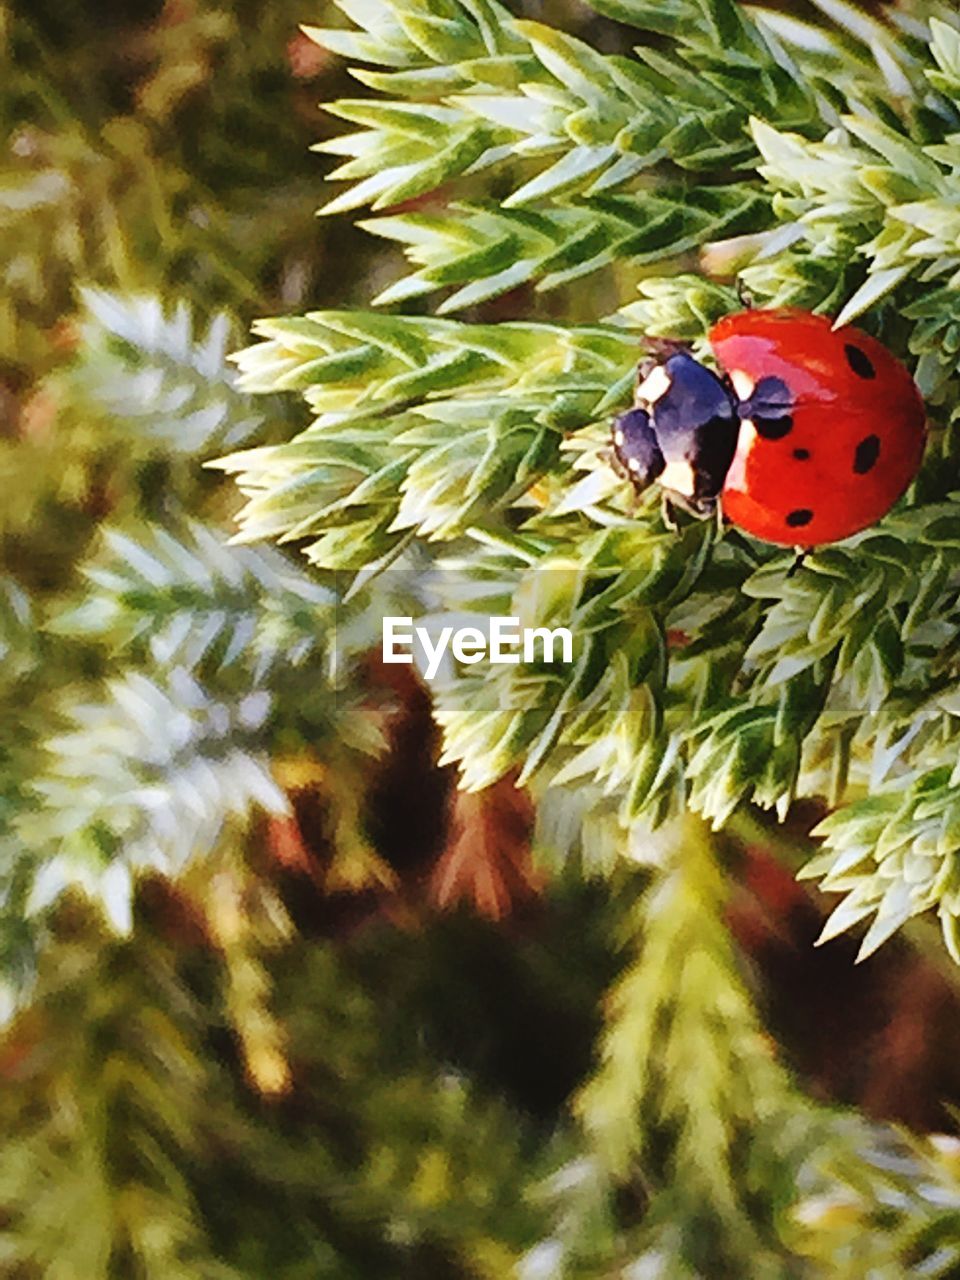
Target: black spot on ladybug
x=866, y=454
x=768, y=408
x=859, y=361
x=773, y=428
x=801, y=454
x=801, y=516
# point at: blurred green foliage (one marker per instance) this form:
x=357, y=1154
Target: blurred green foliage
x=240, y=1038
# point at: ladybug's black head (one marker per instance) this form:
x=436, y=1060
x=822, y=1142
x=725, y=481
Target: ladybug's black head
x=636, y=447
x=682, y=431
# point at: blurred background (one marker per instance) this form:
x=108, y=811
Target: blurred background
x=338, y=1023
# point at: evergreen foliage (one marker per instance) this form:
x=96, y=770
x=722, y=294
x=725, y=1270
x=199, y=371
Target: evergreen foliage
x=812, y=685
x=818, y=162
x=239, y=1042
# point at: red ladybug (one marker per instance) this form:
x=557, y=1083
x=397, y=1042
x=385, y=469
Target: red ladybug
x=806, y=435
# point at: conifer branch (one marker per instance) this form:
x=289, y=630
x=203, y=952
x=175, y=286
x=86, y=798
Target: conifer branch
x=770, y=687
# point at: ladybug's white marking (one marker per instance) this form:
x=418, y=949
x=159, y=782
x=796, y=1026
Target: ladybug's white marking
x=746, y=439
x=634, y=464
x=680, y=477
x=743, y=384
x=656, y=384
x=618, y=438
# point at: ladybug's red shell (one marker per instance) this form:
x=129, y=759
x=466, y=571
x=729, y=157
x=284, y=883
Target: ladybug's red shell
x=846, y=433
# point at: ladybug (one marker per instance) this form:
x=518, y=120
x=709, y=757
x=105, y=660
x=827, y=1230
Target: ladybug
x=804, y=435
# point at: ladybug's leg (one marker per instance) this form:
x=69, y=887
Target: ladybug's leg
x=668, y=512
x=747, y=300
x=672, y=502
x=609, y=455
x=612, y=459
x=800, y=554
